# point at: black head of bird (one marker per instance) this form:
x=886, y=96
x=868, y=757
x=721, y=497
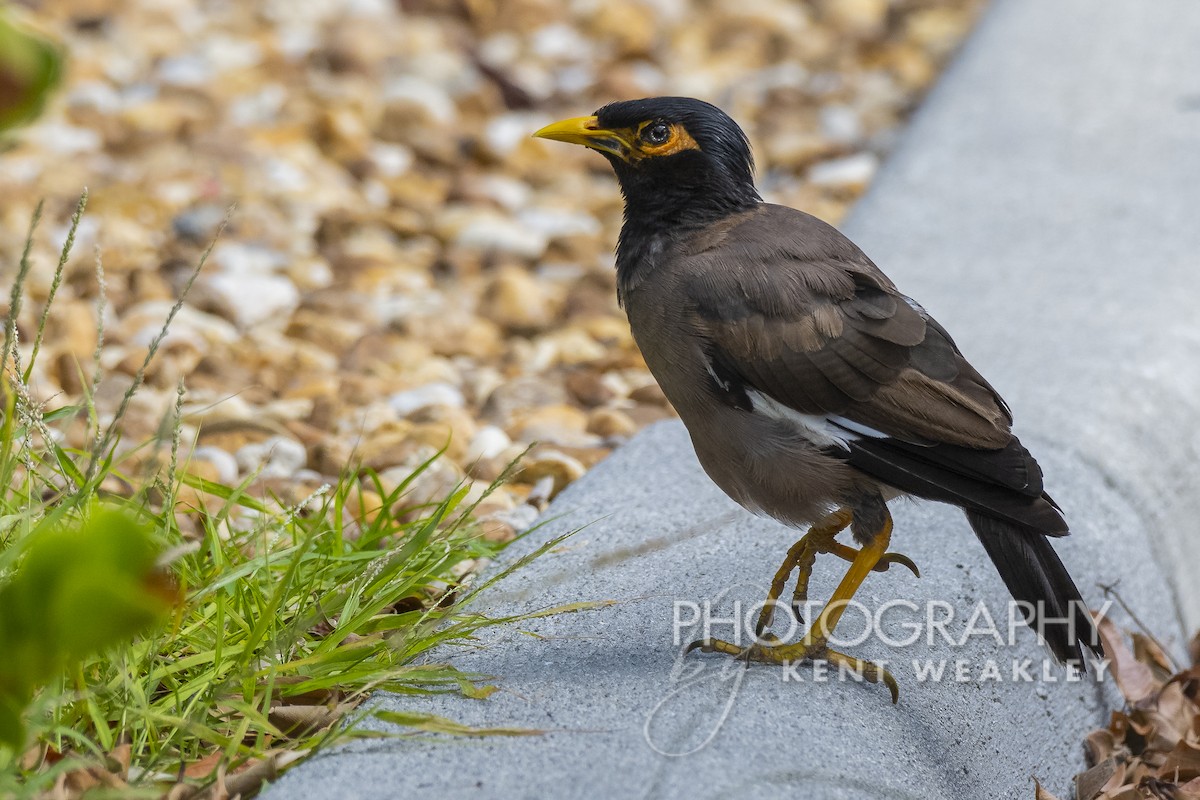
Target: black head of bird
x=813, y=389
x=678, y=160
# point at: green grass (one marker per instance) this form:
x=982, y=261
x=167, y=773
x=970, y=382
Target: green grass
x=285, y=617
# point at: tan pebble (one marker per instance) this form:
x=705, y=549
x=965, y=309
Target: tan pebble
x=342, y=135
x=646, y=415
x=363, y=505
x=572, y=347
x=496, y=530
x=519, y=396
x=631, y=28
x=333, y=456
x=611, y=422
x=384, y=449
x=203, y=469
x=553, y=464
x=793, y=148
x=589, y=456
x=937, y=30
x=475, y=338
x=319, y=327
x=486, y=469
x=611, y=331
x=71, y=371
x=557, y=424
x=589, y=387
x=862, y=18
x=295, y=408
x=382, y=351
x=453, y=430
x=479, y=382
x=72, y=327
x=649, y=394
x=419, y=191
x=312, y=387
x=910, y=64
x=190, y=499
x=434, y=484
x=495, y=503
x=517, y=301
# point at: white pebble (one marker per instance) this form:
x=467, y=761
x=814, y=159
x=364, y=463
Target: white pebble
x=855, y=170
x=224, y=463
x=489, y=442
x=248, y=300
x=277, y=457
x=410, y=401
x=494, y=232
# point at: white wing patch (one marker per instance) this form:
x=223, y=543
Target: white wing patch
x=823, y=430
x=712, y=372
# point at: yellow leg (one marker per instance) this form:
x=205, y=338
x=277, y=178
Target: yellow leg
x=802, y=555
x=864, y=561
x=846, y=553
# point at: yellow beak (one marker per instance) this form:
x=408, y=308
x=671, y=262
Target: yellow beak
x=587, y=132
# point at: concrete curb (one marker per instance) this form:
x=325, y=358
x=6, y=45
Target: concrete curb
x=1042, y=206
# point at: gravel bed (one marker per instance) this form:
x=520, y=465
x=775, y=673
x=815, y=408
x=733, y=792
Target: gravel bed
x=406, y=268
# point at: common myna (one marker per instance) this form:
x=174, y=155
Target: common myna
x=813, y=389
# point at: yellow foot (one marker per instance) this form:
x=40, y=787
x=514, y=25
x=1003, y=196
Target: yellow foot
x=820, y=539
x=770, y=651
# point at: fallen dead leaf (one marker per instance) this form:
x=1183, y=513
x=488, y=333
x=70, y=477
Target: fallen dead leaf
x=1135, y=679
x=1151, y=749
x=1040, y=793
x=1092, y=782
x=205, y=766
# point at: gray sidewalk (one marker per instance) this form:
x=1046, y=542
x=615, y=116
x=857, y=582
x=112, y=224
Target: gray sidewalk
x=1043, y=206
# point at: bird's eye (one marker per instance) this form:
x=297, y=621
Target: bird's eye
x=658, y=133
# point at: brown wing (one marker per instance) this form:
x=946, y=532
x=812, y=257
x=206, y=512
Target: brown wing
x=788, y=308
x=828, y=333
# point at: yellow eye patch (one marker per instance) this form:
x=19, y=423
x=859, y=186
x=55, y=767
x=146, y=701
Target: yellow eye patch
x=677, y=139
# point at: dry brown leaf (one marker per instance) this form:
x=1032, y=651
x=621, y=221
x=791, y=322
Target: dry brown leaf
x=251, y=776
x=121, y=756
x=180, y=791
x=1092, y=782
x=1182, y=763
x=205, y=766
x=33, y=757
x=1189, y=680
x=1189, y=790
x=1099, y=746
x=1148, y=651
x=1152, y=747
x=1135, y=679
x=1117, y=780
x=1040, y=793
x=298, y=720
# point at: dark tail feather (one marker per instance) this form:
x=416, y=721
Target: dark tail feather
x=1035, y=575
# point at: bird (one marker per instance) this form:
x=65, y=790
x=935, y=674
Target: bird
x=813, y=390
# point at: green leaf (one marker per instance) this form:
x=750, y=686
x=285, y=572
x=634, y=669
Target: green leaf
x=30, y=68
x=79, y=587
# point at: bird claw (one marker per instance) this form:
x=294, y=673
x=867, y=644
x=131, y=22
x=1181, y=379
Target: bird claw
x=887, y=559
